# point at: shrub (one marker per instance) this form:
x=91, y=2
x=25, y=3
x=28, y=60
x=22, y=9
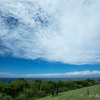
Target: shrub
x=1, y=87
x=4, y=94
x=0, y=96
x=85, y=83
x=90, y=84
x=65, y=89
x=60, y=83
x=78, y=86
x=22, y=97
x=32, y=98
x=79, y=82
x=41, y=94
x=29, y=92
x=8, y=90
x=70, y=84
x=47, y=88
x=7, y=97
x=60, y=90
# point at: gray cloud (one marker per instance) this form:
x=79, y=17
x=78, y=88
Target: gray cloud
x=54, y=30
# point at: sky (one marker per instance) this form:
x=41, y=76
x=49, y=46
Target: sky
x=49, y=38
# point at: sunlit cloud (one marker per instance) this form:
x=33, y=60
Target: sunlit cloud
x=54, y=30
x=86, y=73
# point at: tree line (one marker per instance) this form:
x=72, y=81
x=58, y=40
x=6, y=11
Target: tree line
x=24, y=90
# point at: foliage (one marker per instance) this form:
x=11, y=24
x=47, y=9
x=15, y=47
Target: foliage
x=8, y=90
x=1, y=96
x=65, y=89
x=70, y=84
x=60, y=90
x=1, y=87
x=41, y=94
x=77, y=86
x=90, y=84
x=22, y=97
x=60, y=83
x=31, y=98
x=29, y=92
x=7, y=97
x=38, y=88
x=47, y=88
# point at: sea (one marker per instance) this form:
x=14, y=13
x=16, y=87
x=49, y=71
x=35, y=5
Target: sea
x=7, y=80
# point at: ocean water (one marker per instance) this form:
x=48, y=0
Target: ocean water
x=7, y=80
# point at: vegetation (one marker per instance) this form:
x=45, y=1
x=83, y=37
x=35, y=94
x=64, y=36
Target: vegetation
x=24, y=90
x=78, y=94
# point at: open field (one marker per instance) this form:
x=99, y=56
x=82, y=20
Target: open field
x=79, y=94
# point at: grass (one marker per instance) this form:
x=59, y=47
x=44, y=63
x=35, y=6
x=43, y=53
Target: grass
x=78, y=94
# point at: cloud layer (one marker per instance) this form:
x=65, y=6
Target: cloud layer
x=86, y=73
x=54, y=30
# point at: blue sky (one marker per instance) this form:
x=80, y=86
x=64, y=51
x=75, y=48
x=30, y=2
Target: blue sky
x=49, y=38
x=16, y=67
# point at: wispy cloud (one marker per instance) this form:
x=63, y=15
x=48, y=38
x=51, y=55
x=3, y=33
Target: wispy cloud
x=62, y=31
x=77, y=73
x=86, y=73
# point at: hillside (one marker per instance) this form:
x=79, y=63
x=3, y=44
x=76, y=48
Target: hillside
x=79, y=94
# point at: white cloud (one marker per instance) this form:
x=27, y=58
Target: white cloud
x=86, y=73
x=77, y=73
x=62, y=31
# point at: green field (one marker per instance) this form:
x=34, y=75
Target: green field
x=78, y=94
